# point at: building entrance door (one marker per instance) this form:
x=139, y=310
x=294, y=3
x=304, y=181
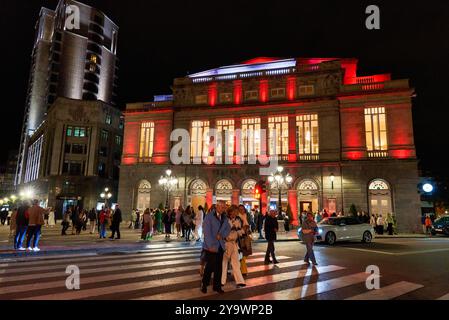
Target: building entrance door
x=305, y=206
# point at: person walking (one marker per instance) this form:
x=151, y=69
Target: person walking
x=166, y=220
x=92, y=219
x=271, y=228
x=21, y=225
x=428, y=224
x=35, y=222
x=158, y=220
x=231, y=253
x=74, y=217
x=373, y=222
x=244, y=238
x=216, y=229
x=138, y=218
x=66, y=221
x=380, y=224
x=390, y=222
x=13, y=223
x=51, y=218
x=187, y=218
x=318, y=217
x=79, y=222
x=178, y=221
x=133, y=219
x=103, y=222
x=309, y=229
x=260, y=222
x=115, y=224
x=147, y=231
x=198, y=233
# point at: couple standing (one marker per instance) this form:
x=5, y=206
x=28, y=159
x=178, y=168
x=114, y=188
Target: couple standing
x=221, y=234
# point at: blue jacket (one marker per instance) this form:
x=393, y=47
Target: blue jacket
x=212, y=226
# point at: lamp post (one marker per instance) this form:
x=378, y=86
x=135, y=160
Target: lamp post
x=278, y=178
x=332, y=180
x=168, y=183
x=106, y=195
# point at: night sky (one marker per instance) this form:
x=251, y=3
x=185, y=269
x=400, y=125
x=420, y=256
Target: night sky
x=161, y=40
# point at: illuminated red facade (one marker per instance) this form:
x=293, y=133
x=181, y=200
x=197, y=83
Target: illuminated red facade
x=346, y=138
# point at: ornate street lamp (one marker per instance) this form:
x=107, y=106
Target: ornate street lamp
x=106, y=195
x=168, y=183
x=278, y=178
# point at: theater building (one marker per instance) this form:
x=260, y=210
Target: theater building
x=345, y=139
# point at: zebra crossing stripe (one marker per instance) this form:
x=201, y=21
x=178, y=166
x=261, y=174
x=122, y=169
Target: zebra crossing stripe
x=72, y=260
x=128, y=275
x=445, y=297
x=312, y=289
x=389, y=292
x=95, y=263
x=250, y=283
x=123, y=288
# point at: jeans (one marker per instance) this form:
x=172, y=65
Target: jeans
x=187, y=232
x=270, y=251
x=310, y=255
x=34, y=232
x=20, y=235
x=103, y=230
x=214, y=264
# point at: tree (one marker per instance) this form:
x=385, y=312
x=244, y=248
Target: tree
x=353, y=210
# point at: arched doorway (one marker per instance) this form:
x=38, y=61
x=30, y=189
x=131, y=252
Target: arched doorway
x=308, y=196
x=379, y=197
x=223, y=191
x=248, y=194
x=197, y=193
x=143, y=195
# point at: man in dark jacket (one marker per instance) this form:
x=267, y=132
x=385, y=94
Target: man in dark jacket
x=271, y=227
x=116, y=220
x=22, y=225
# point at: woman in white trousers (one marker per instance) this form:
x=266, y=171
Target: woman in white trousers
x=198, y=233
x=51, y=218
x=232, y=249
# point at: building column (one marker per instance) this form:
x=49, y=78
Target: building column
x=291, y=138
x=235, y=197
x=264, y=202
x=293, y=202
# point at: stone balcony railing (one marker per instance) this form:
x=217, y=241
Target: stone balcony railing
x=386, y=85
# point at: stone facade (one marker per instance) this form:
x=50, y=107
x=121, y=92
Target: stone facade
x=53, y=180
x=345, y=170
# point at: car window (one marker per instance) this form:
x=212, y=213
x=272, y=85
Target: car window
x=328, y=221
x=352, y=221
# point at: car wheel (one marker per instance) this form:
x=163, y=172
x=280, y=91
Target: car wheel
x=446, y=231
x=330, y=238
x=367, y=237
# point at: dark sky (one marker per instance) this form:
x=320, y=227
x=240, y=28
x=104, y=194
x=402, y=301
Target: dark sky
x=160, y=40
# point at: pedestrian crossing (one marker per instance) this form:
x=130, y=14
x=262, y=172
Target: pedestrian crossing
x=172, y=273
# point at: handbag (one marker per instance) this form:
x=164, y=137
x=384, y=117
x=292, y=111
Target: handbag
x=246, y=246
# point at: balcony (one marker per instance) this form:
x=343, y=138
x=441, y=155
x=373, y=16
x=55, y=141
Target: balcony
x=377, y=154
x=386, y=85
x=309, y=157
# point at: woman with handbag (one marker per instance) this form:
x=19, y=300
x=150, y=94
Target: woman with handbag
x=309, y=229
x=232, y=249
x=245, y=239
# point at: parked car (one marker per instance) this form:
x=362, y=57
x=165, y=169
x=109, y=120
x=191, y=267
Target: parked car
x=440, y=226
x=331, y=230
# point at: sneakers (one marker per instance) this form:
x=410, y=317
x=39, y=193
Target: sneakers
x=21, y=249
x=36, y=249
x=29, y=249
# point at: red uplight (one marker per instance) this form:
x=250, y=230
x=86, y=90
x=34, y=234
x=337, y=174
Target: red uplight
x=212, y=94
x=402, y=154
x=237, y=92
x=258, y=60
x=291, y=86
x=354, y=155
x=263, y=88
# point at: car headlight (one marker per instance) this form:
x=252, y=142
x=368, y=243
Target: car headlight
x=299, y=230
x=320, y=231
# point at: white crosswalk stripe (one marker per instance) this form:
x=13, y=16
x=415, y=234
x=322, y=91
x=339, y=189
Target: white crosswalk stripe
x=171, y=273
x=388, y=292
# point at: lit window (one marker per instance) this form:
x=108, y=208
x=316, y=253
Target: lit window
x=279, y=125
x=250, y=137
x=225, y=127
x=118, y=140
x=251, y=95
x=93, y=58
x=376, y=129
x=278, y=93
x=201, y=99
x=69, y=131
x=199, y=143
x=225, y=97
x=108, y=119
x=146, y=139
x=104, y=135
x=306, y=90
x=307, y=134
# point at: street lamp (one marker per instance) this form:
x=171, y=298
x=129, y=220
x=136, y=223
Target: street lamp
x=168, y=183
x=106, y=195
x=332, y=180
x=278, y=178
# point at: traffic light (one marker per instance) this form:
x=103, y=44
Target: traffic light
x=257, y=192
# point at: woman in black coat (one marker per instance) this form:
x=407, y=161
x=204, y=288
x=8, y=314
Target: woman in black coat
x=271, y=228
